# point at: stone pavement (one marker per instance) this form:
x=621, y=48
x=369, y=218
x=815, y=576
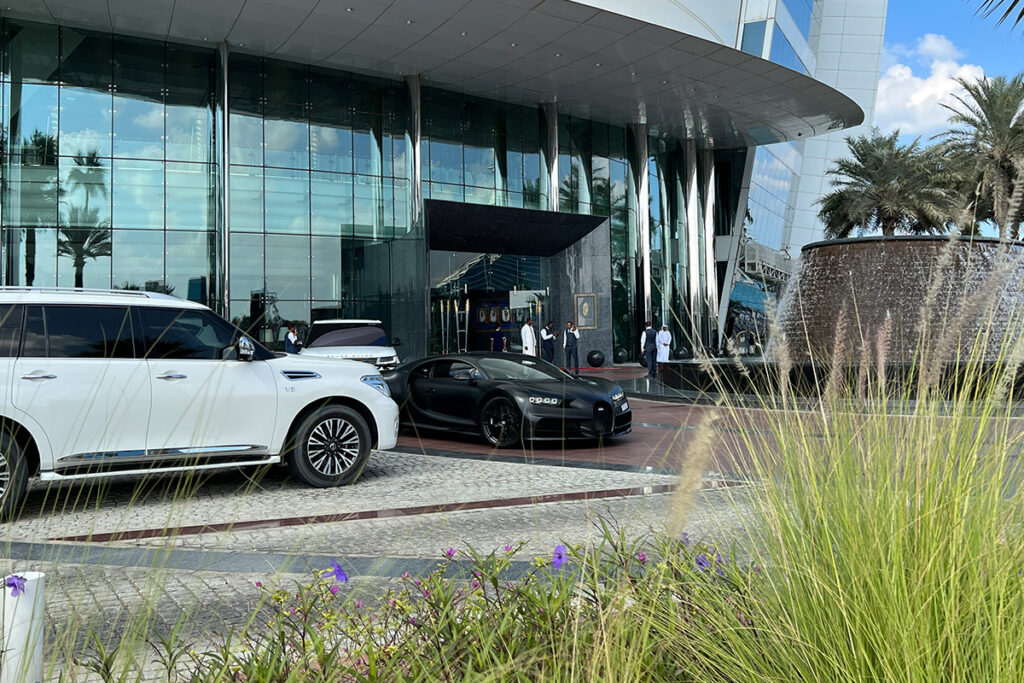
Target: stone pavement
x=187, y=550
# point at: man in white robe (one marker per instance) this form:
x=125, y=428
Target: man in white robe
x=529, y=339
x=664, y=344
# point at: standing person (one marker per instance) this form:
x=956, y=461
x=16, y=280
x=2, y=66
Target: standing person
x=649, y=349
x=529, y=339
x=291, y=340
x=664, y=344
x=547, y=341
x=498, y=341
x=569, y=343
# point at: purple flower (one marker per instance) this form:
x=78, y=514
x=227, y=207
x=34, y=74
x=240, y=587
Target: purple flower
x=476, y=584
x=757, y=570
x=405, y=575
x=560, y=558
x=359, y=604
x=703, y=562
x=426, y=593
x=17, y=585
x=412, y=620
x=641, y=558
x=259, y=584
x=508, y=548
x=334, y=589
x=337, y=572
x=450, y=553
x=685, y=538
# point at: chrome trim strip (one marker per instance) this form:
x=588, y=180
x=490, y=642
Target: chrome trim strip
x=267, y=460
x=296, y=375
x=130, y=457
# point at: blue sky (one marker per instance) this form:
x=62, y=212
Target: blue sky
x=928, y=43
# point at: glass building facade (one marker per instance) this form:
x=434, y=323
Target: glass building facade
x=118, y=171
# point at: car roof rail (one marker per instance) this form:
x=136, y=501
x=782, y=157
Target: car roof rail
x=80, y=290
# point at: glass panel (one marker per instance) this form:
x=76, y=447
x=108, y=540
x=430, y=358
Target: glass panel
x=331, y=197
x=85, y=191
x=288, y=270
x=246, y=202
x=753, y=38
x=330, y=122
x=31, y=52
x=326, y=269
x=287, y=201
x=365, y=152
x=367, y=207
x=138, y=194
x=10, y=330
x=33, y=120
x=83, y=256
x=286, y=128
x=138, y=99
x=85, y=121
x=31, y=256
x=191, y=197
x=88, y=332
x=246, y=264
x=189, y=264
x=138, y=257
x=782, y=52
x=189, y=110
x=246, y=84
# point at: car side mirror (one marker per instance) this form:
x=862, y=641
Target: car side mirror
x=462, y=375
x=246, y=349
x=397, y=341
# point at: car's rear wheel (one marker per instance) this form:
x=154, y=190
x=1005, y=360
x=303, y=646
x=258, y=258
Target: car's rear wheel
x=332, y=447
x=501, y=422
x=13, y=475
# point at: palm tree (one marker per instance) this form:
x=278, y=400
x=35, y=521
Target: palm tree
x=990, y=7
x=886, y=186
x=86, y=237
x=89, y=174
x=988, y=124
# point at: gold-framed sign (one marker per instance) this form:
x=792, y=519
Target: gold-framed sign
x=586, y=311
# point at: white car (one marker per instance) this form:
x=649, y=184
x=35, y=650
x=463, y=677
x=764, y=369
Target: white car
x=96, y=383
x=363, y=340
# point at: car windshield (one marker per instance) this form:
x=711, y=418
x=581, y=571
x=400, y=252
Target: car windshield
x=525, y=369
x=348, y=335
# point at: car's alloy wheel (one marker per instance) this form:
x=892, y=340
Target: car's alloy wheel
x=13, y=475
x=331, y=447
x=501, y=423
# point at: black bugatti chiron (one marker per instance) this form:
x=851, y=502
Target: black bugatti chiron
x=507, y=398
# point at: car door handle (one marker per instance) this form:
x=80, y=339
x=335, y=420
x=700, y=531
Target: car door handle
x=431, y=391
x=172, y=375
x=40, y=375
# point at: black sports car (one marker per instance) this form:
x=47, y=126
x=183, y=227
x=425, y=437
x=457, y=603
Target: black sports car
x=507, y=398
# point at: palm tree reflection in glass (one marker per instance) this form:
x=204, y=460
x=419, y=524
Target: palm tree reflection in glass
x=86, y=235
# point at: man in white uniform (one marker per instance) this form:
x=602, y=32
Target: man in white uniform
x=529, y=340
x=664, y=344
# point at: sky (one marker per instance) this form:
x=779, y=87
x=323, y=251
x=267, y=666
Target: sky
x=928, y=43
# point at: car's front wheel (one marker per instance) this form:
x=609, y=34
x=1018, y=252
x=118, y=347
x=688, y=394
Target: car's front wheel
x=331, y=448
x=501, y=422
x=13, y=475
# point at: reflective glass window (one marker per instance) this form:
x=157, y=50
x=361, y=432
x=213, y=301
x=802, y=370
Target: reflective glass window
x=288, y=266
x=85, y=191
x=246, y=107
x=246, y=201
x=368, y=207
x=138, y=188
x=83, y=256
x=191, y=197
x=31, y=52
x=325, y=263
x=33, y=114
x=286, y=200
x=246, y=272
x=138, y=260
x=185, y=334
x=189, y=104
x=87, y=332
x=753, y=37
x=10, y=329
x=85, y=121
x=138, y=116
x=782, y=52
x=285, y=125
x=189, y=264
x=32, y=256
x=330, y=130
x=365, y=150
x=331, y=199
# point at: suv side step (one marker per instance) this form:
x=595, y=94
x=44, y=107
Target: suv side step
x=266, y=460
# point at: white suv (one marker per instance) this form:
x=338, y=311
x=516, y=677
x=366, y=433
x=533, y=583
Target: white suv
x=95, y=383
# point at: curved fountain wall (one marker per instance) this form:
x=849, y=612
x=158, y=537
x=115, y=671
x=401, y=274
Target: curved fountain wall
x=872, y=291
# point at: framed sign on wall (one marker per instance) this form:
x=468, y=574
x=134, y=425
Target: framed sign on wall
x=586, y=311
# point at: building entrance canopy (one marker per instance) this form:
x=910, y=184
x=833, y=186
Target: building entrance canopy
x=454, y=226
x=594, y=63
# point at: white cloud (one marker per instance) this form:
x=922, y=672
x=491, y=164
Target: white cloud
x=917, y=81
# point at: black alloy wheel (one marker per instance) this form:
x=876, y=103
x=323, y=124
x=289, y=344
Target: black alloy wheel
x=331, y=448
x=501, y=422
x=13, y=475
